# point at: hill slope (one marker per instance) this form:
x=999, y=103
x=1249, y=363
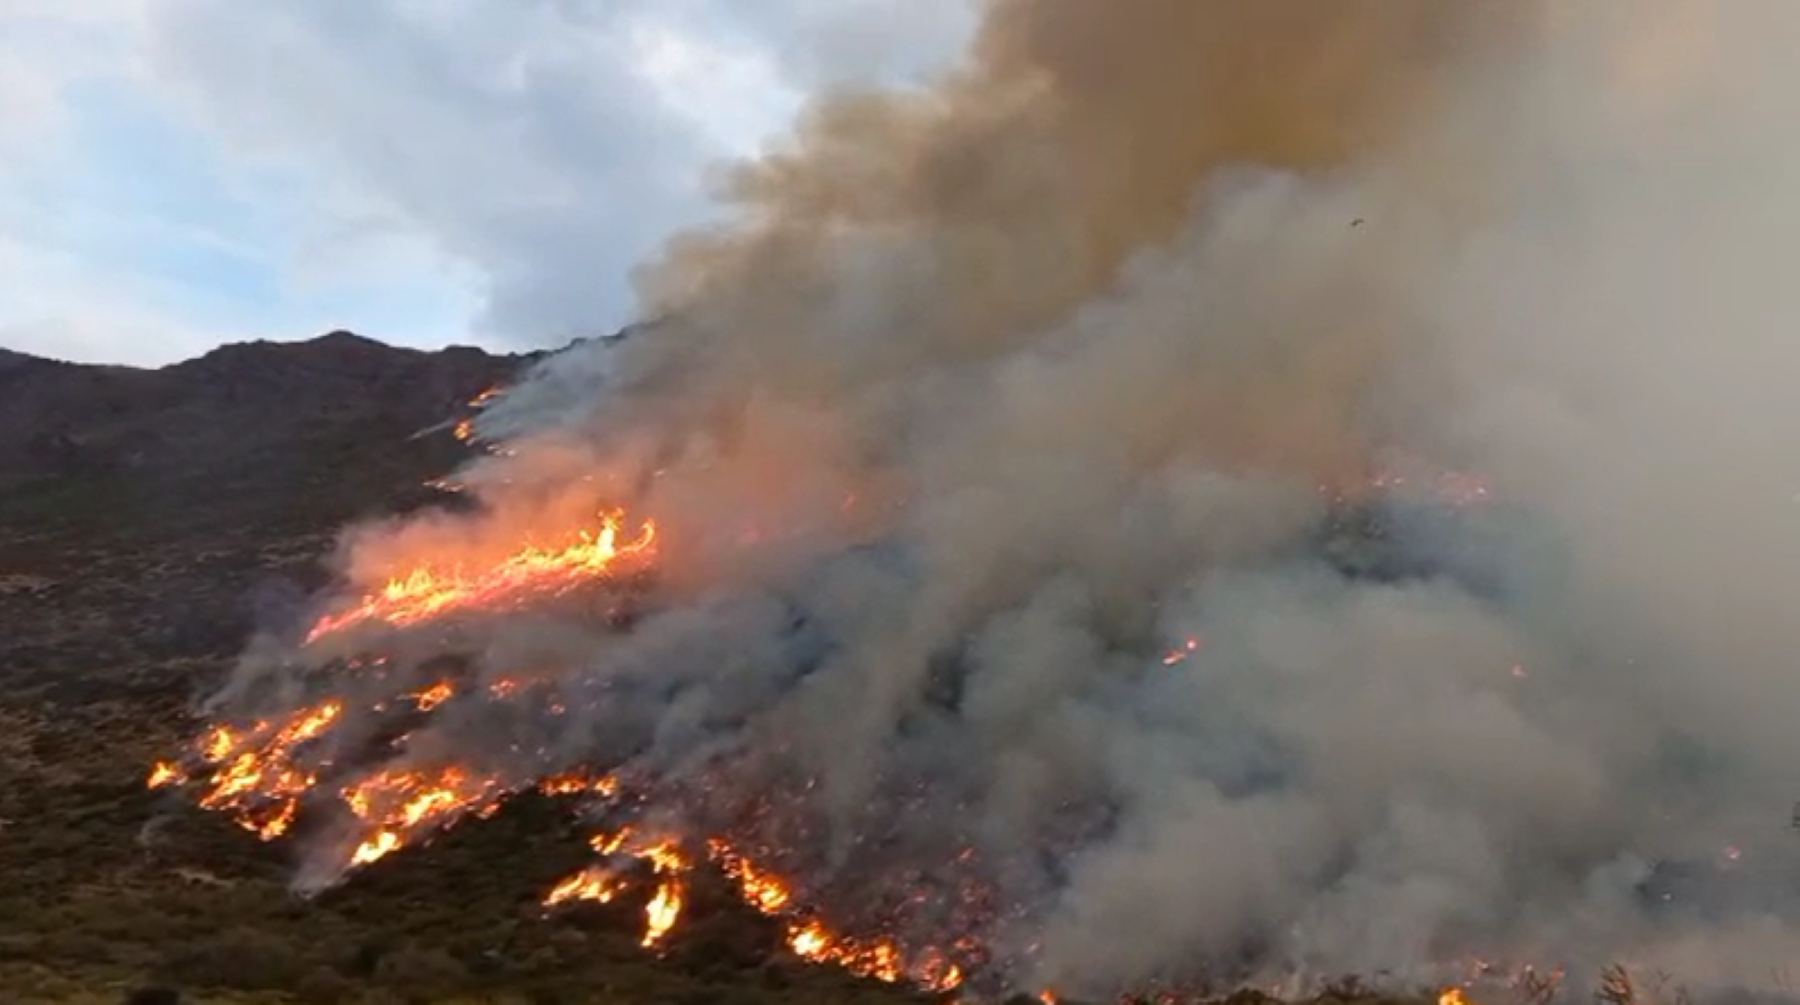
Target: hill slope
x=247, y=435
x=148, y=519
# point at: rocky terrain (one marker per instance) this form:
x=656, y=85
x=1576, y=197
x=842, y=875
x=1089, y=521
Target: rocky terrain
x=148, y=519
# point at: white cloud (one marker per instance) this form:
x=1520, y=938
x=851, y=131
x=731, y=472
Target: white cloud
x=44, y=46
x=417, y=169
x=735, y=96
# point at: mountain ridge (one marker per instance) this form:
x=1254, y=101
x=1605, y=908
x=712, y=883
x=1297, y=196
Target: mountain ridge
x=244, y=430
x=334, y=339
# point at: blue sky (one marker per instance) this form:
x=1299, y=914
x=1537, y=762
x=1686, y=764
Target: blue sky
x=154, y=217
x=179, y=173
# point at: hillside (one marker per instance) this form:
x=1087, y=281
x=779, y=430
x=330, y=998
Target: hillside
x=148, y=519
x=249, y=437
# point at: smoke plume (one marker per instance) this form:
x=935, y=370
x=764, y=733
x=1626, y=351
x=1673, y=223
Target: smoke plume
x=1206, y=491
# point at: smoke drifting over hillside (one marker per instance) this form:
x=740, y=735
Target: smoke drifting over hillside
x=994, y=457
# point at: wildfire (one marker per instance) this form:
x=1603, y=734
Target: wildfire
x=577, y=784
x=252, y=775
x=433, y=696
x=428, y=591
x=663, y=910
x=879, y=959
x=761, y=890
x=600, y=884
x=376, y=848
x=464, y=429
x=164, y=774
x=811, y=940
x=252, y=772
x=1453, y=995
x=399, y=806
x=807, y=937
x=486, y=398
x=1182, y=653
x=595, y=884
x=258, y=773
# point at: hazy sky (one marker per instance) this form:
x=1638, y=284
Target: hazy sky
x=179, y=173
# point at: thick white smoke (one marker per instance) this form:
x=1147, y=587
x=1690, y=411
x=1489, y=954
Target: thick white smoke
x=1003, y=391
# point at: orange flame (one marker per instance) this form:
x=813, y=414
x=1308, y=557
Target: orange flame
x=761, y=890
x=811, y=940
x=253, y=775
x=465, y=428
x=879, y=958
x=427, y=592
x=1453, y=995
x=433, y=696
x=401, y=805
x=663, y=911
x=600, y=884
x=375, y=848
x=595, y=884
x=578, y=784
x=164, y=774
x=251, y=771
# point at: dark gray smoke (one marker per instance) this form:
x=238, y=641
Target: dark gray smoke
x=1169, y=320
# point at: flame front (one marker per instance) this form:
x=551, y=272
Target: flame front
x=429, y=591
x=806, y=936
x=761, y=890
x=401, y=806
x=601, y=883
x=577, y=783
x=596, y=884
x=164, y=774
x=260, y=773
x=253, y=776
x=663, y=911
